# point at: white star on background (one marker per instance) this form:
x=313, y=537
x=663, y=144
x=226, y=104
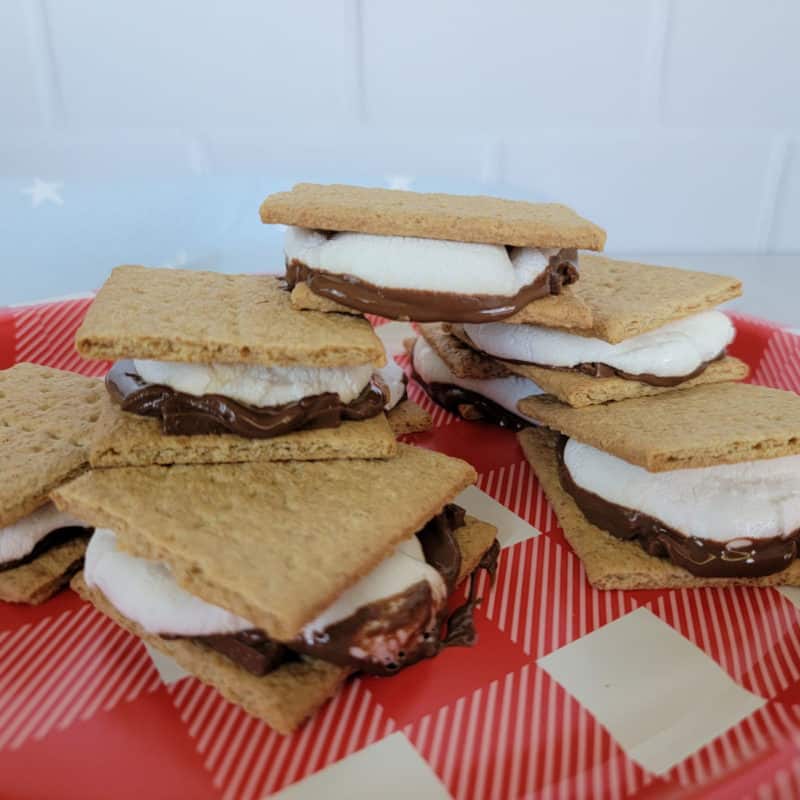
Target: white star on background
x=399, y=182
x=44, y=191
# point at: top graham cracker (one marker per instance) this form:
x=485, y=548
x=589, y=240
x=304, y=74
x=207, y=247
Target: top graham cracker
x=275, y=543
x=721, y=423
x=46, y=421
x=460, y=218
x=207, y=317
x=615, y=300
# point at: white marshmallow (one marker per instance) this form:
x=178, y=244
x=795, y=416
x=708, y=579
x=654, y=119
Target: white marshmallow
x=404, y=568
x=677, y=348
x=256, y=385
x=506, y=392
x=746, y=501
x=391, y=335
x=18, y=539
x=146, y=592
x=393, y=376
x=406, y=262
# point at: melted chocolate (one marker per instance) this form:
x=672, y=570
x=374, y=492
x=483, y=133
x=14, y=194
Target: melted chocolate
x=470, y=405
x=597, y=369
x=53, y=539
x=412, y=610
x=427, y=306
x=702, y=557
x=185, y=414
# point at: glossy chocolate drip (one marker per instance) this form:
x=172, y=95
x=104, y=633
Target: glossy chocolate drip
x=53, y=539
x=702, y=557
x=470, y=405
x=185, y=414
x=252, y=650
x=597, y=369
x=428, y=306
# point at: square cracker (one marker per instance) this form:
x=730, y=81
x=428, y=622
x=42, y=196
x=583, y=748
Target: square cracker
x=44, y=576
x=720, y=423
x=275, y=542
x=290, y=694
x=408, y=417
x=207, y=317
x=460, y=218
x=46, y=419
x=615, y=300
x=460, y=358
x=579, y=390
x=123, y=439
x=611, y=563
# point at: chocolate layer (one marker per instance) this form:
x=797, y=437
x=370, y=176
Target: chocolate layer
x=426, y=306
x=412, y=610
x=703, y=557
x=185, y=414
x=597, y=369
x=53, y=539
x=470, y=405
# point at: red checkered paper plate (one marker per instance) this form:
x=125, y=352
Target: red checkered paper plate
x=570, y=691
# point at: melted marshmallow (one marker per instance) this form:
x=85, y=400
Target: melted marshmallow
x=405, y=567
x=256, y=385
x=406, y=262
x=506, y=392
x=18, y=539
x=392, y=335
x=677, y=348
x=746, y=501
x=146, y=592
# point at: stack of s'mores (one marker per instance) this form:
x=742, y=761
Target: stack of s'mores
x=517, y=329
x=251, y=512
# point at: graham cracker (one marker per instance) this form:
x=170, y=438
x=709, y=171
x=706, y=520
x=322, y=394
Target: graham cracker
x=207, y=317
x=719, y=423
x=44, y=576
x=460, y=358
x=275, y=542
x=124, y=439
x=46, y=417
x=612, y=563
x=408, y=417
x=303, y=298
x=579, y=390
x=615, y=300
x=290, y=694
x=459, y=218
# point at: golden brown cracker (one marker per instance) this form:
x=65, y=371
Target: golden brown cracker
x=612, y=563
x=460, y=218
x=615, y=300
x=124, y=439
x=460, y=358
x=275, y=542
x=46, y=418
x=208, y=317
x=44, y=576
x=719, y=423
x=303, y=298
x=579, y=390
x=408, y=417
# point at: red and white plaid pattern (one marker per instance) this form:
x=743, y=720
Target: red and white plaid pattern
x=84, y=711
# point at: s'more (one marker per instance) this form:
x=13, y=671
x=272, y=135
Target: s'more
x=274, y=581
x=46, y=416
x=426, y=257
x=654, y=329
x=220, y=368
x=698, y=487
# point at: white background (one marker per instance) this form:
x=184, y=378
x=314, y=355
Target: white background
x=672, y=123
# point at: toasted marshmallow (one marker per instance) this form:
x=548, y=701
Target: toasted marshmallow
x=506, y=392
x=402, y=570
x=675, y=349
x=747, y=501
x=146, y=592
x=407, y=262
x=256, y=385
x=18, y=539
